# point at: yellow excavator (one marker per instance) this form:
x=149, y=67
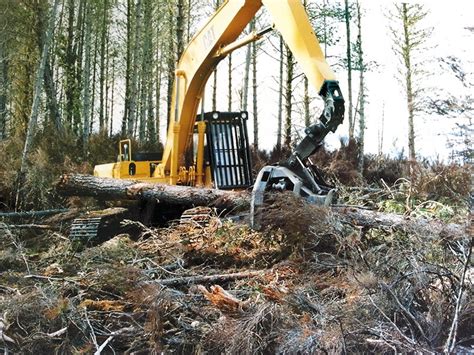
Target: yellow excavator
x=212, y=149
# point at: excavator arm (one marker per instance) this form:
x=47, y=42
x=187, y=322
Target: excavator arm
x=218, y=38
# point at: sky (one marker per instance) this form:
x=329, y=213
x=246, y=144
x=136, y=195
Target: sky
x=386, y=100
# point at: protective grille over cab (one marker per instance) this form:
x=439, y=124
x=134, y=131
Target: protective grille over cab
x=229, y=149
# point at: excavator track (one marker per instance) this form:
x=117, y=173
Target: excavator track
x=97, y=226
x=85, y=229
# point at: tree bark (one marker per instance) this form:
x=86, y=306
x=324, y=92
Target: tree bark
x=255, y=92
x=49, y=86
x=280, y=96
x=38, y=88
x=52, y=101
x=288, y=96
x=185, y=196
x=158, y=80
x=78, y=53
x=94, y=84
x=134, y=85
x=3, y=91
x=69, y=65
x=36, y=101
x=360, y=163
x=171, y=53
x=349, y=68
x=229, y=83
x=103, y=55
x=409, y=87
x=128, y=70
x=248, y=58
x=306, y=99
x=116, y=189
x=86, y=97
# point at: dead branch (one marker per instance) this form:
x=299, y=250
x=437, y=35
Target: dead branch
x=451, y=341
x=28, y=226
x=32, y=214
x=208, y=278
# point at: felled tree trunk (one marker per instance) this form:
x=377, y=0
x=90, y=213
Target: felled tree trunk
x=185, y=196
x=117, y=189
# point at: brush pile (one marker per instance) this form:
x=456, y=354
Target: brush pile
x=307, y=282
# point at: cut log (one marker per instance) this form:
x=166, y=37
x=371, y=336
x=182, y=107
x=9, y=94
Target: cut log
x=412, y=225
x=115, y=189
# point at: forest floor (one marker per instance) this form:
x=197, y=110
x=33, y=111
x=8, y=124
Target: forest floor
x=306, y=283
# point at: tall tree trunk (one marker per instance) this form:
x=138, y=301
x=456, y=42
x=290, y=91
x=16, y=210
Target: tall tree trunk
x=349, y=69
x=136, y=59
x=112, y=101
x=49, y=86
x=128, y=70
x=254, y=92
x=214, y=86
x=150, y=119
x=3, y=91
x=229, y=86
x=51, y=99
x=107, y=82
x=158, y=80
x=146, y=106
x=78, y=50
x=248, y=58
x=409, y=86
x=188, y=21
x=280, y=96
x=360, y=163
x=180, y=29
x=36, y=98
x=381, y=131
x=171, y=53
x=214, y=91
x=94, y=84
x=288, y=96
x=307, y=118
x=86, y=97
x=69, y=65
x=325, y=27
x=306, y=99
x=103, y=39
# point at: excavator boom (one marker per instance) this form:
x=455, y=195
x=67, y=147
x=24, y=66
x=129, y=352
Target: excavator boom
x=216, y=39
x=221, y=157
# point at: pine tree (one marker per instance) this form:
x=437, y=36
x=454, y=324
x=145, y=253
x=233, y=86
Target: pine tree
x=407, y=42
